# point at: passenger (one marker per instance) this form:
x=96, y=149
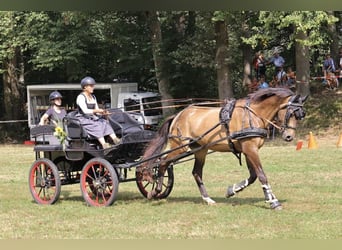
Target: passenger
x=55, y=113
x=89, y=112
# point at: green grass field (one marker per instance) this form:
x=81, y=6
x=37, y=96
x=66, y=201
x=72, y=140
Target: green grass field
x=307, y=182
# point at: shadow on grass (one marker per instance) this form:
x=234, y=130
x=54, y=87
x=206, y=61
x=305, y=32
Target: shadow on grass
x=126, y=197
x=233, y=201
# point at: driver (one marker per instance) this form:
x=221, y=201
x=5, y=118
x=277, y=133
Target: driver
x=89, y=112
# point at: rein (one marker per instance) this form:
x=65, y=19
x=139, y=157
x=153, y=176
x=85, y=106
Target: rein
x=289, y=113
x=265, y=119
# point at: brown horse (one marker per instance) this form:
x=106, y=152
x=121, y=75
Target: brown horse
x=197, y=129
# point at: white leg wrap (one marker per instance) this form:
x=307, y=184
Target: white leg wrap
x=240, y=186
x=208, y=200
x=269, y=196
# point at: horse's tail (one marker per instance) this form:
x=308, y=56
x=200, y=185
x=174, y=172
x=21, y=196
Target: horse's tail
x=156, y=145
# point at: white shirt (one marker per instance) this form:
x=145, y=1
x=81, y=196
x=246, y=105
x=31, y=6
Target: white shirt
x=81, y=101
x=278, y=61
x=280, y=75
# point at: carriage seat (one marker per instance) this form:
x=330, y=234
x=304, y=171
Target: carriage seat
x=123, y=124
x=42, y=130
x=44, y=134
x=73, y=127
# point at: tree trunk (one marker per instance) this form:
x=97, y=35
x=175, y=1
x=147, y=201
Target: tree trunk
x=12, y=77
x=334, y=40
x=302, y=65
x=159, y=64
x=222, y=69
x=247, y=54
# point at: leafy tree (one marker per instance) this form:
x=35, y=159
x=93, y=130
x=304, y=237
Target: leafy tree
x=119, y=47
x=159, y=63
x=222, y=55
x=189, y=38
x=305, y=32
x=32, y=41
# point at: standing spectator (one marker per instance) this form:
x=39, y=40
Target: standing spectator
x=278, y=62
x=328, y=67
x=255, y=63
x=261, y=66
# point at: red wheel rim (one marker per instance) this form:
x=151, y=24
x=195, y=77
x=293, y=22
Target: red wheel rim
x=43, y=183
x=97, y=184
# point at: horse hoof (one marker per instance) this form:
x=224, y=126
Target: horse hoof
x=230, y=192
x=149, y=195
x=276, y=205
x=278, y=208
x=209, y=201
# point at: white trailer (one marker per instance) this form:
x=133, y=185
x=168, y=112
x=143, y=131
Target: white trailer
x=142, y=105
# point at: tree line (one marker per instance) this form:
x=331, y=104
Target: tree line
x=178, y=53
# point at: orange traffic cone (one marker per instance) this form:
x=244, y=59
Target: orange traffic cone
x=312, y=142
x=299, y=145
x=339, y=142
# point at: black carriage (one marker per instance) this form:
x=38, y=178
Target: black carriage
x=81, y=159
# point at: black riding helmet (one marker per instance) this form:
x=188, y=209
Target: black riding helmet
x=54, y=95
x=87, y=81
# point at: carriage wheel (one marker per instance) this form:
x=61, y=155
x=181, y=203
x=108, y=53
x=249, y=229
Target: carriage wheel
x=99, y=183
x=44, y=182
x=144, y=186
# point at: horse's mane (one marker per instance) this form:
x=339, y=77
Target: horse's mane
x=263, y=94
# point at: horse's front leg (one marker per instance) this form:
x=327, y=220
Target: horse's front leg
x=256, y=171
x=197, y=172
x=232, y=190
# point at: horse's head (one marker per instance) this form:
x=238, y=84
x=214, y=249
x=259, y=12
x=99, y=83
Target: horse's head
x=289, y=113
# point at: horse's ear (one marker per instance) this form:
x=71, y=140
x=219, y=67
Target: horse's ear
x=303, y=99
x=294, y=98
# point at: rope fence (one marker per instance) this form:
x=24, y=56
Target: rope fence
x=12, y=121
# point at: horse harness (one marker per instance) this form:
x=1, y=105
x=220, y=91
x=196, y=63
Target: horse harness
x=226, y=112
x=225, y=116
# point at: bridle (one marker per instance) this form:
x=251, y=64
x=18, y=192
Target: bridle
x=294, y=107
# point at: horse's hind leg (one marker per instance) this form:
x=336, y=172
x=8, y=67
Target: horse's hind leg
x=159, y=187
x=197, y=172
